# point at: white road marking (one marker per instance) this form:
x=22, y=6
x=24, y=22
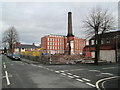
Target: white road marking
x=94, y=70
x=63, y=74
x=80, y=80
x=5, y=76
x=110, y=68
x=48, y=69
x=4, y=66
x=97, y=86
x=108, y=73
x=8, y=81
x=90, y=84
x=70, y=76
x=103, y=84
x=57, y=71
x=11, y=64
x=85, y=79
x=74, y=69
x=76, y=76
x=61, y=71
x=69, y=73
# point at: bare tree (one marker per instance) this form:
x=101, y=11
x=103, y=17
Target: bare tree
x=97, y=23
x=10, y=36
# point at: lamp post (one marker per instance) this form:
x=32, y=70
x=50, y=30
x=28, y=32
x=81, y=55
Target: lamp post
x=117, y=51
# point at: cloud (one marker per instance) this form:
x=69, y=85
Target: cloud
x=35, y=20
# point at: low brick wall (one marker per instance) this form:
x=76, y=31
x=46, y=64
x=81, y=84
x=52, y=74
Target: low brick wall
x=53, y=59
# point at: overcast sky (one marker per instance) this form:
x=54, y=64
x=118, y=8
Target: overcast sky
x=35, y=20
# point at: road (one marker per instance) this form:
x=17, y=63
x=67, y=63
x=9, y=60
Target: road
x=18, y=74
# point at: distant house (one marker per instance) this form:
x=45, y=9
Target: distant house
x=109, y=49
x=25, y=47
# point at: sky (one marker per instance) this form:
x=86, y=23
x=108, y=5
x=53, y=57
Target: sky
x=34, y=20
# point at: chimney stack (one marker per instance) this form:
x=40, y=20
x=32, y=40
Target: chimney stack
x=70, y=25
x=33, y=44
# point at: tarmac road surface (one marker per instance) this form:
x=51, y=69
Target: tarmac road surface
x=18, y=74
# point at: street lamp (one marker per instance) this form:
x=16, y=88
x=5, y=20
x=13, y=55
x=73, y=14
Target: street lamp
x=117, y=51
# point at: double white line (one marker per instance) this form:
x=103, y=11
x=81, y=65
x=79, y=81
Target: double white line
x=104, y=79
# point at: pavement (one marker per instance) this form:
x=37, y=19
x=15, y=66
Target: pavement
x=21, y=74
x=29, y=61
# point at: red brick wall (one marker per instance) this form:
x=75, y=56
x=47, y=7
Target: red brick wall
x=59, y=44
x=79, y=44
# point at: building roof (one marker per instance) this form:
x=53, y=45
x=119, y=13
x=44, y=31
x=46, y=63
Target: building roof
x=26, y=46
x=56, y=35
x=110, y=34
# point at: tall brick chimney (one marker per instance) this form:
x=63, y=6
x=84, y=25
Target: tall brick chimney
x=70, y=37
x=70, y=25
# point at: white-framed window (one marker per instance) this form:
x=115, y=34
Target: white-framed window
x=48, y=47
x=92, y=42
x=48, y=43
x=102, y=42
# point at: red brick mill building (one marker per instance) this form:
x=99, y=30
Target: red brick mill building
x=57, y=44
x=109, y=49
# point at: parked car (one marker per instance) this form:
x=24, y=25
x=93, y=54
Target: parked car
x=9, y=55
x=16, y=56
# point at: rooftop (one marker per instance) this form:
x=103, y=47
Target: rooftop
x=27, y=46
x=54, y=35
